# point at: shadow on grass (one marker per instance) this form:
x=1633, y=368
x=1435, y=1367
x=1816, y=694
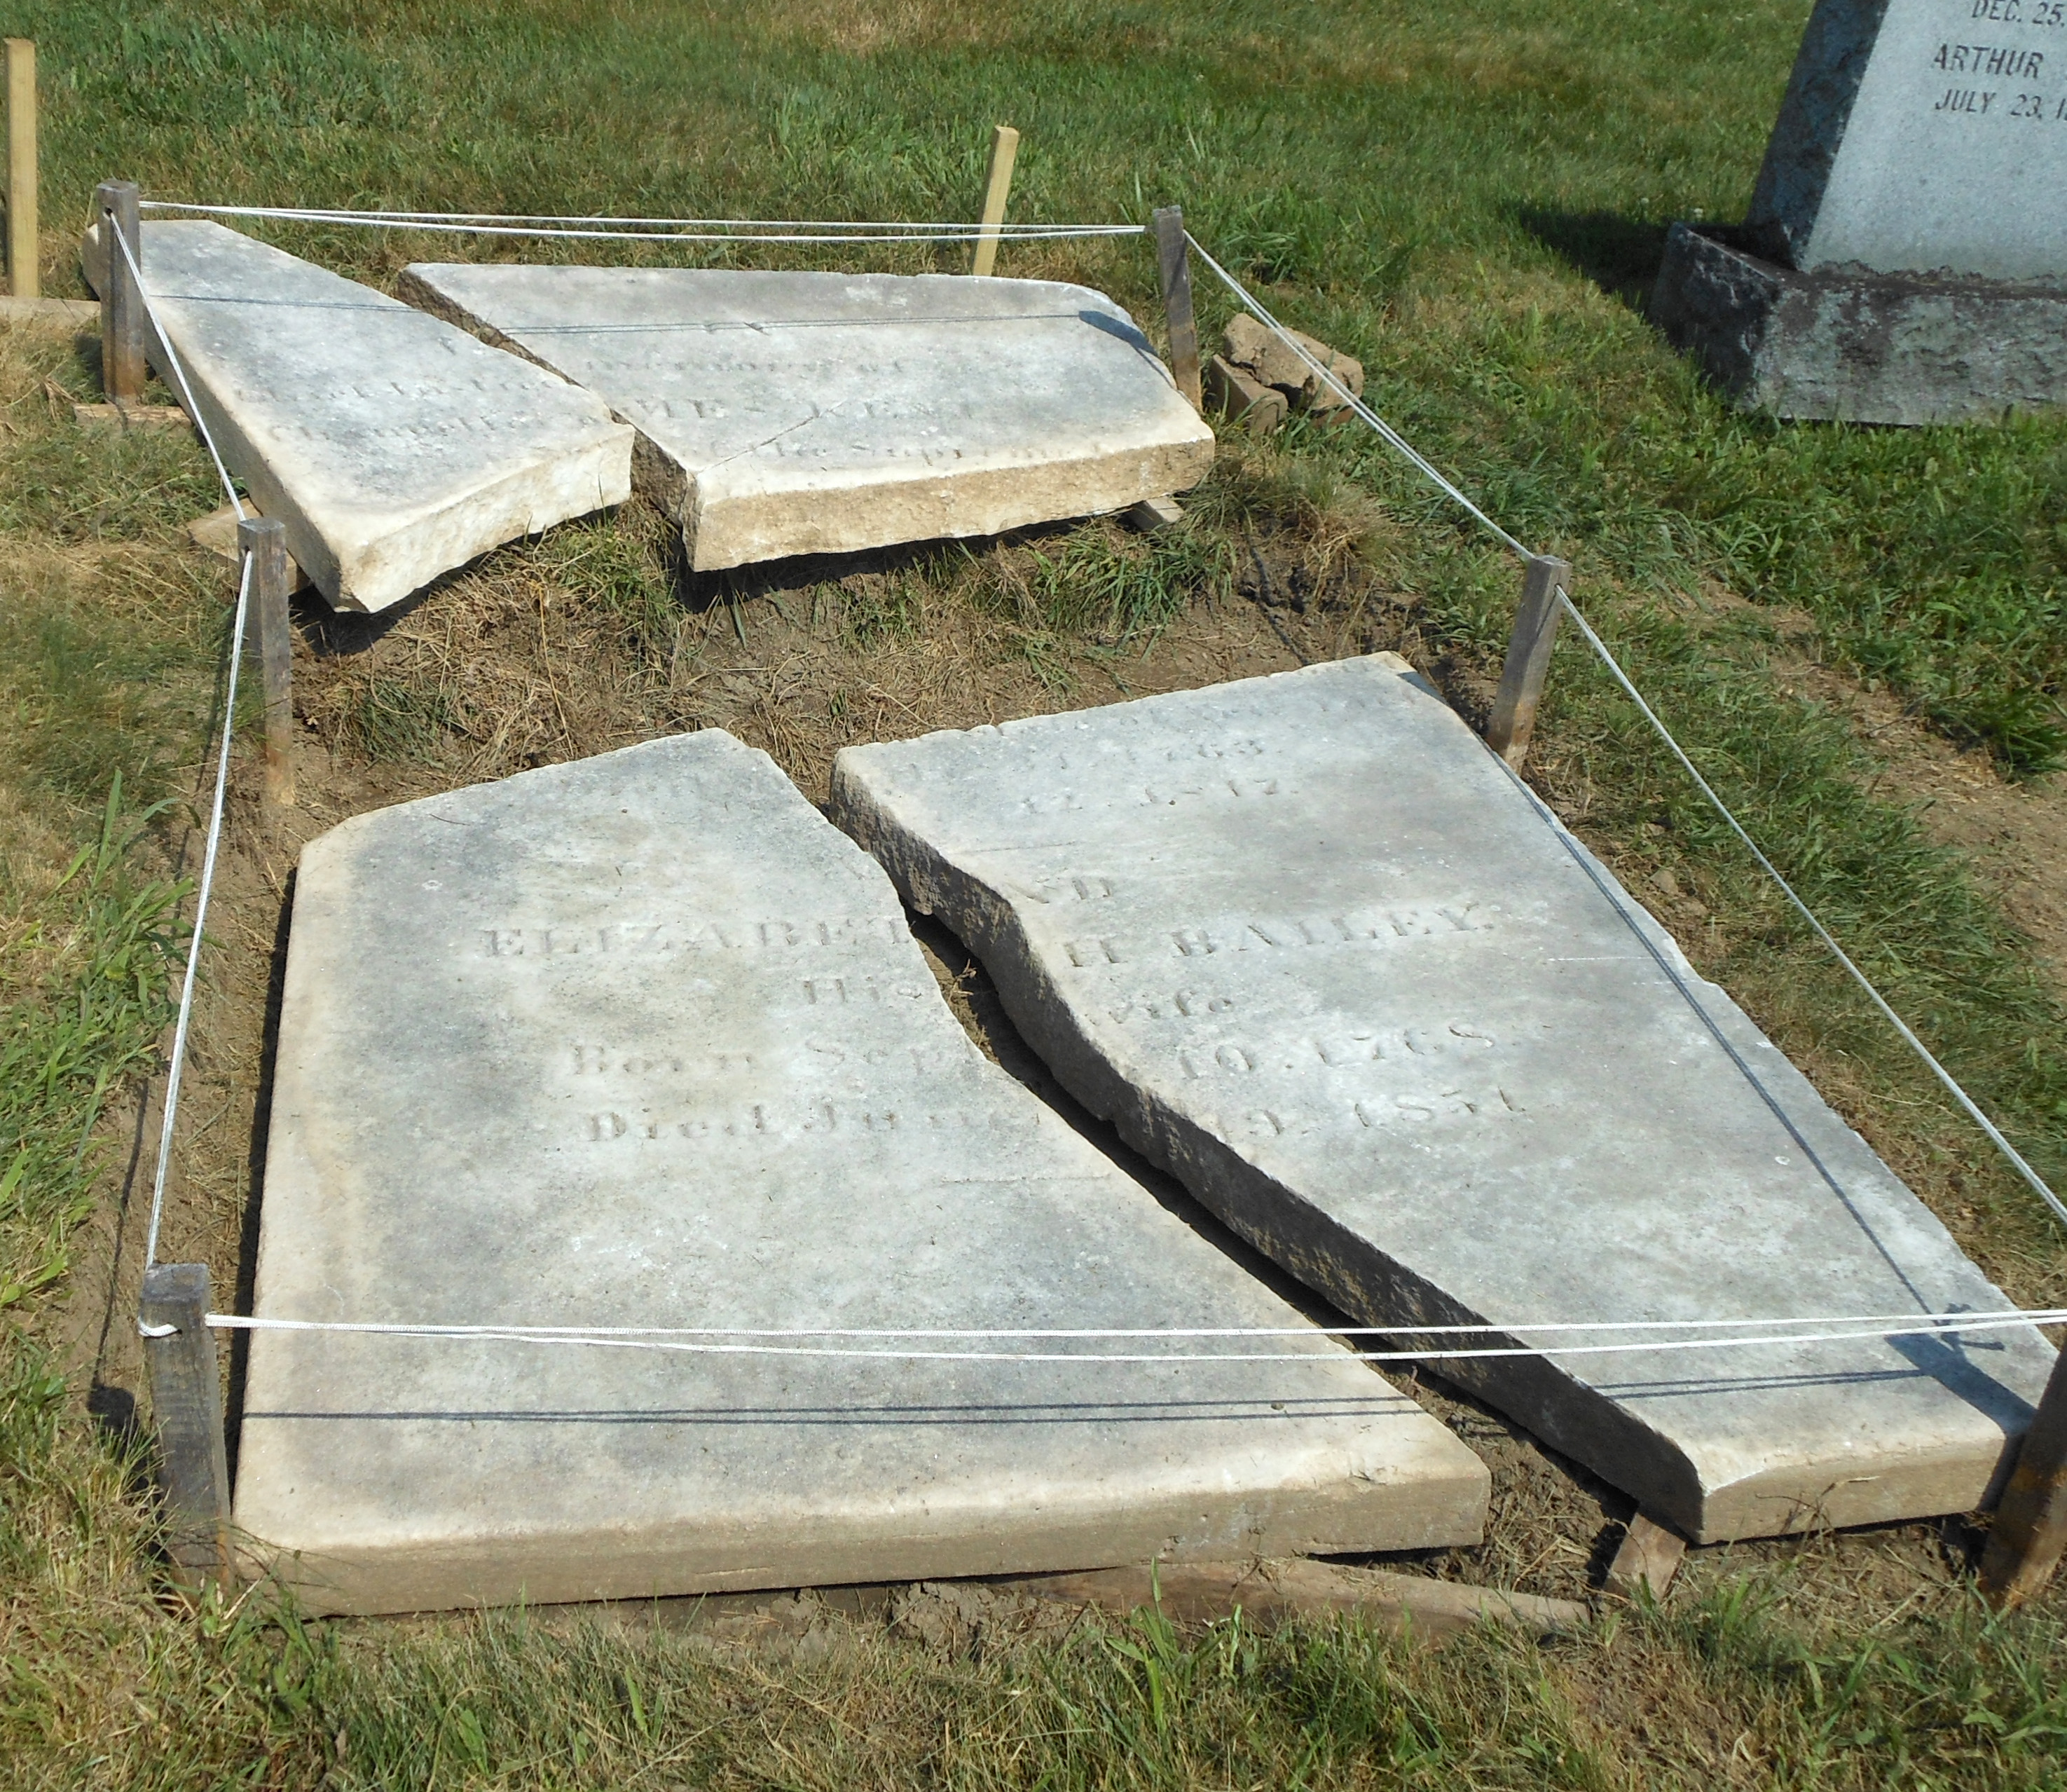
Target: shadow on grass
x=1620, y=255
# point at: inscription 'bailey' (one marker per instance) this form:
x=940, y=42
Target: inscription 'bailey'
x=1400, y=1030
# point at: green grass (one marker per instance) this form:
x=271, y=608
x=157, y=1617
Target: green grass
x=1467, y=201
x=1466, y=205
x=90, y=999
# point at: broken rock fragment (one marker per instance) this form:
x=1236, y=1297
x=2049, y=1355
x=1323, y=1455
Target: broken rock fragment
x=1256, y=352
x=1241, y=399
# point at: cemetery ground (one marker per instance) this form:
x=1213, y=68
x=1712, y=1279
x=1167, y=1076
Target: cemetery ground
x=1858, y=633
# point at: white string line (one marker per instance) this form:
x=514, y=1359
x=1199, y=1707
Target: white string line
x=2006, y=1315
x=346, y=214
x=178, y=1062
x=620, y=1340
x=1822, y=932
x=869, y=234
x=172, y=358
x=1391, y=435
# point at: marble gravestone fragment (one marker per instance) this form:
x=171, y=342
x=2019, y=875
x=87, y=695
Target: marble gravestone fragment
x=1313, y=947
x=393, y=446
x=643, y=1041
x=1921, y=137
x=1903, y=259
x=814, y=413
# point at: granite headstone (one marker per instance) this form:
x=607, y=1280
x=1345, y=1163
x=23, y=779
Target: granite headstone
x=1902, y=258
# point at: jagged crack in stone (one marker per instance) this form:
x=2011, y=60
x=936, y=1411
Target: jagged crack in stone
x=811, y=413
x=643, y=1041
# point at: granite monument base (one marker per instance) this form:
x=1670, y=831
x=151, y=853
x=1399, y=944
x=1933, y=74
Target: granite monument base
x=1846, y=344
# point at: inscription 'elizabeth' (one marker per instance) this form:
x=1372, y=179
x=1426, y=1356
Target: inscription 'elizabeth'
x=560, y=940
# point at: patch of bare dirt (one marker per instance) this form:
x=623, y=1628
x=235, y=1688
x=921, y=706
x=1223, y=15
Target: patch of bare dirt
x=534, y=655
x=2014, y=835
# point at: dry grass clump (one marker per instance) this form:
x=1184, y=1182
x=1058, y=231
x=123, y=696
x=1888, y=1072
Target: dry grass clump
x=595, y=635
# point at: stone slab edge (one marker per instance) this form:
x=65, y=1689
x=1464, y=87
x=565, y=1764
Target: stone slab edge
x=1849, y=344
x=656, y=476
x=388, y=566
x=730, y=532
x=1344, y=1266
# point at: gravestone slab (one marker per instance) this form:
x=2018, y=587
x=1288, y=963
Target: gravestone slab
x=1921, y=137
x=1315, y=948
x=1902, y=260
x=393, y=446
x=643, y=1041
x=818, y=413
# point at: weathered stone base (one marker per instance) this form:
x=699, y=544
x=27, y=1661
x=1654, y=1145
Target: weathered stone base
x=1850, y=344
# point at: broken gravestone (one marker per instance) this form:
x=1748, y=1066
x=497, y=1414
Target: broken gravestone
x=1315, y=948
x=1902, y=260
x=642, y=1042
x=393, y=446
x=823, y=413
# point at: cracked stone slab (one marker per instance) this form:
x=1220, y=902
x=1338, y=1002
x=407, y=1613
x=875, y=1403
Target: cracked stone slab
x=643, y=1041
x=1315, y=949
x=815, y=413
x=394, y=446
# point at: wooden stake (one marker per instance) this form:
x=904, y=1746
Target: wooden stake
x=23, y=279
x=265, y=539
x=1173, y=268
x=1527, y=657
x=186, y=1404
x=122, y=366
x=1004, y=153
x=2030, y=1531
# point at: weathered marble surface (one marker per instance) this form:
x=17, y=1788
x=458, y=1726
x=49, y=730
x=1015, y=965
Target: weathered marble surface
x=1309, y=944
x=393, y=446
x=643, y=1041
x=1922, y=137
x=812, y=413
